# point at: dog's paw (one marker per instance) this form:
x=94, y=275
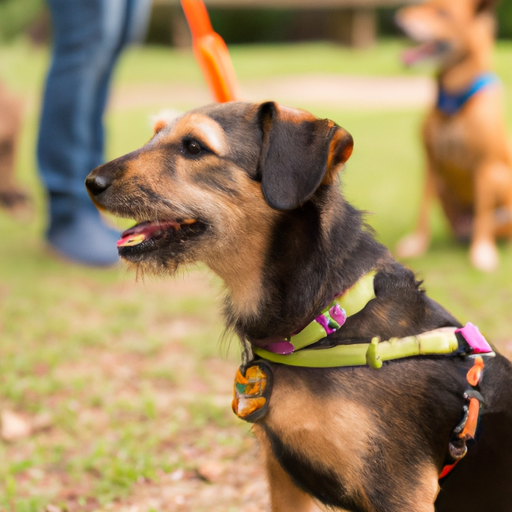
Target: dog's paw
x=484, y=256
x=412, y=245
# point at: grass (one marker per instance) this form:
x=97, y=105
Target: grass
x=123, y=381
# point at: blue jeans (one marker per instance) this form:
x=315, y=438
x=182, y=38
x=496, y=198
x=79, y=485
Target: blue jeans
x=89, y=36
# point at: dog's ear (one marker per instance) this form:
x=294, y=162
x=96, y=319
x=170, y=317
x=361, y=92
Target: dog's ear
x=485, y=5
x=299, y=152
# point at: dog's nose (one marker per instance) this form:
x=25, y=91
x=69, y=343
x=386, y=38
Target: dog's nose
x=97, y=184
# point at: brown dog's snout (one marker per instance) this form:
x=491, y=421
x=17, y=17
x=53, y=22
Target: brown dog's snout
x=96, y=184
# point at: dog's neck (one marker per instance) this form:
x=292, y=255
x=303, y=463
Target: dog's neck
x=461, y=76
x=475, y=61
x=314, y=253
x=240, y=266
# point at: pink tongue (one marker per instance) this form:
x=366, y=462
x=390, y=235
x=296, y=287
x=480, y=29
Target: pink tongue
x=143, y=231
x=413, y=55
x=131, y=240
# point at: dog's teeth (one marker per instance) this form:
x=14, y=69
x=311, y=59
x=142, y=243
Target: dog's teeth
x=131, y=240
x=189, y=221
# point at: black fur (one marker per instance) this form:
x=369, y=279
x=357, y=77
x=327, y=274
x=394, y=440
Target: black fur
x=289, y=178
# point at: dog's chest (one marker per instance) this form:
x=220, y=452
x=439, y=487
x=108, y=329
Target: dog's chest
x=455, y=155
x=319, y=425
x=452, y=144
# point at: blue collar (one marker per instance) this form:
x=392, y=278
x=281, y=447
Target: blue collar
x=450, y=104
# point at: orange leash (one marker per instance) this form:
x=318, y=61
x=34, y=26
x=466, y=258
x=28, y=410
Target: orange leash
x=211, y=53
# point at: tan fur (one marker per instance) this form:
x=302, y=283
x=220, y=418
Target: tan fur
x=285, y=496
x=336, y=438
x=205, y=128
x=424, y=496
x=323, y=431
x=240, y=266
x=469, y=159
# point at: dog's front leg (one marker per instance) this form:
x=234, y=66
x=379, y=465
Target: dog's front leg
x=489, y=182
x=285, y=496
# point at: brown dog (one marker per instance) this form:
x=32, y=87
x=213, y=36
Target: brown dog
x=469, y=159
x=253, y=191
x=12, y=198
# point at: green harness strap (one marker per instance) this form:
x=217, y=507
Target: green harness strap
x=351, y=302
x=436, y=342
x=332, y=318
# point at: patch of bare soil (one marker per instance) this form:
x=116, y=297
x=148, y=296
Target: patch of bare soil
x=216, y=485
x=342, y=91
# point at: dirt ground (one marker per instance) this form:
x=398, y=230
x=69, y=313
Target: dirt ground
x=351, y=92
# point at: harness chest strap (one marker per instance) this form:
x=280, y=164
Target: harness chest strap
x=253, y=382
x=466, y=430
x=253, y=386
x=330, y=319
x=436, y=342
x=450, y=104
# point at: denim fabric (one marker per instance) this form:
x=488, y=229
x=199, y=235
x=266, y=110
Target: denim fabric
x=89, y=35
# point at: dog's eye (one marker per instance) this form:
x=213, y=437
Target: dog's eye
x=192, y=147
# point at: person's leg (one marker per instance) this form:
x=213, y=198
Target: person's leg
x=88, y=39
x=128, y=19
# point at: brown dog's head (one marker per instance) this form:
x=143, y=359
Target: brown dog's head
x=448, y=30
x=208, y=185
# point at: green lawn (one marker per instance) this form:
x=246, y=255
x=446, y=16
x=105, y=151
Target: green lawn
x=116, y=377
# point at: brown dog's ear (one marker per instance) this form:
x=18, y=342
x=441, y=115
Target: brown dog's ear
x=299, y=152
x=485, y=5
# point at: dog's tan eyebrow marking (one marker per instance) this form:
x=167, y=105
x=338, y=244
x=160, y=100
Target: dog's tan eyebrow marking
x=205, y=129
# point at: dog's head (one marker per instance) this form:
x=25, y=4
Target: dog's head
x=209, y=185
x=447, y=30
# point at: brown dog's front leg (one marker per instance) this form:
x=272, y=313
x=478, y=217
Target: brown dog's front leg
x=285, y=496
x=490, y=179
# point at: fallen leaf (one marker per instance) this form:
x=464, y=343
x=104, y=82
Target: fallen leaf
x=14, y=426
x=211, y=471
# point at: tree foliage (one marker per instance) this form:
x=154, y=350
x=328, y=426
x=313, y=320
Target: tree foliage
x=18, y=15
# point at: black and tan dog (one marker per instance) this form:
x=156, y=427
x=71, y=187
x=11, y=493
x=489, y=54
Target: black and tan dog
x=253, y=191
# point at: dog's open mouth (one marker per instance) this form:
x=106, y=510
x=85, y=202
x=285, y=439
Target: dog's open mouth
x=424, y=51
x=149, y=236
